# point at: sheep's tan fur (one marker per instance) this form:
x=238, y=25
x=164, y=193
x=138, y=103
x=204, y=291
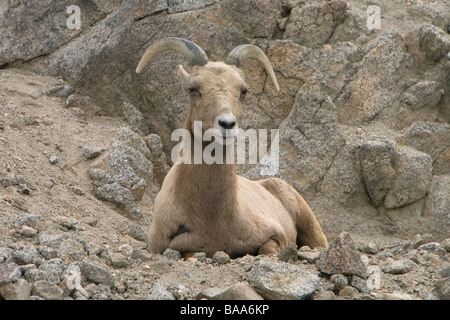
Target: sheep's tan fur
x=209, y=208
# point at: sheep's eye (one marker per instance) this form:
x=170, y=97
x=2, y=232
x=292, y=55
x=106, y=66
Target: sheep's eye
x=194, y=92
x=243, y=93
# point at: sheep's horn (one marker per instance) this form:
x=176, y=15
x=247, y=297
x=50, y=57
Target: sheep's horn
x=192, y=52
x=249, y=51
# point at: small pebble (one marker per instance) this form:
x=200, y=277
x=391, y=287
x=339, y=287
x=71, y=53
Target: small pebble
x=340, y=281
x=27, y=231
x=348, y=291
x=53, y=159
x=221, y=257
x=371, y=248
x=92, y=152
x=172, y=254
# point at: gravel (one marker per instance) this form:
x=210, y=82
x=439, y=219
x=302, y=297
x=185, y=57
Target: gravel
x=62, y=265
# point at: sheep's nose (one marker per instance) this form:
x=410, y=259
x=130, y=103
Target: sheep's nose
x=227, y=123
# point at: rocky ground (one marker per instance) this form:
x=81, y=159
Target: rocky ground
x=59, y=241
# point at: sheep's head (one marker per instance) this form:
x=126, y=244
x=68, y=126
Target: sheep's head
x=216, y=89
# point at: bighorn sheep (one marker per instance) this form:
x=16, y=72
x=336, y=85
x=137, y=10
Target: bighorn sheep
x=208, y=207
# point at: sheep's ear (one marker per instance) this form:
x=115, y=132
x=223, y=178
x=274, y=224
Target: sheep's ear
x=184, y=75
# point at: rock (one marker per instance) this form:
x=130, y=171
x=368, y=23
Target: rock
x=121, y=197
x=76, y=190
x=445, y=271
x=430, y=246
x=313, y=25
x=381, y=67
x=310, y=141
x=133, y=230
x=238, y=291
x=123, y=175
x=28, y=231
x=96, y=274
x=180, y=292
x=71, y=102
x=221, y=257
x=377, y=169
x=5, y=254
x=9, y=272
x=53, y=159
x=60, y=91
x=309, y=256
x=141, y=254
x=47, y=290
x=155, y=145
x=324, y=295
x=422, y=94
x=71, y=283
x=414, y=171
x=401, y=266
x=160, y=291
x=348, y=292
x=119, y=260
x=443, y=289
x=437, y=205
x=394, y=175
x=32, y=274
x=419, y=240
x=434, y=259
x=135, y=118
x=359, y=284
x=430, y=137
x=30, y=220
x=446, y=244
x=20, y=290
x=370, y=248
x=340, y=281
x=99, y=292
x=51, y=239
x=50, y=35
x=26, y=255
x=52, y=270
x=396, y=296
x=92, y=152
x=143, y=9
x=200, y=256
x=282, y=281
x=289, y=254
x=433, y=42
x=172, y=254
x=71, y=250
x=342, y=257
x=12, y=180
x=126, y=250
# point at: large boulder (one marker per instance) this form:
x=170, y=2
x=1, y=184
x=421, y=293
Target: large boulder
x=394, y=175
x=41, y=26
x=314, y=25
x=124, y=174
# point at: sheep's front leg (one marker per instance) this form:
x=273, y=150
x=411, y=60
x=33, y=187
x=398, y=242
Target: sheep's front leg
x=158, y=238
x=270, y=247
